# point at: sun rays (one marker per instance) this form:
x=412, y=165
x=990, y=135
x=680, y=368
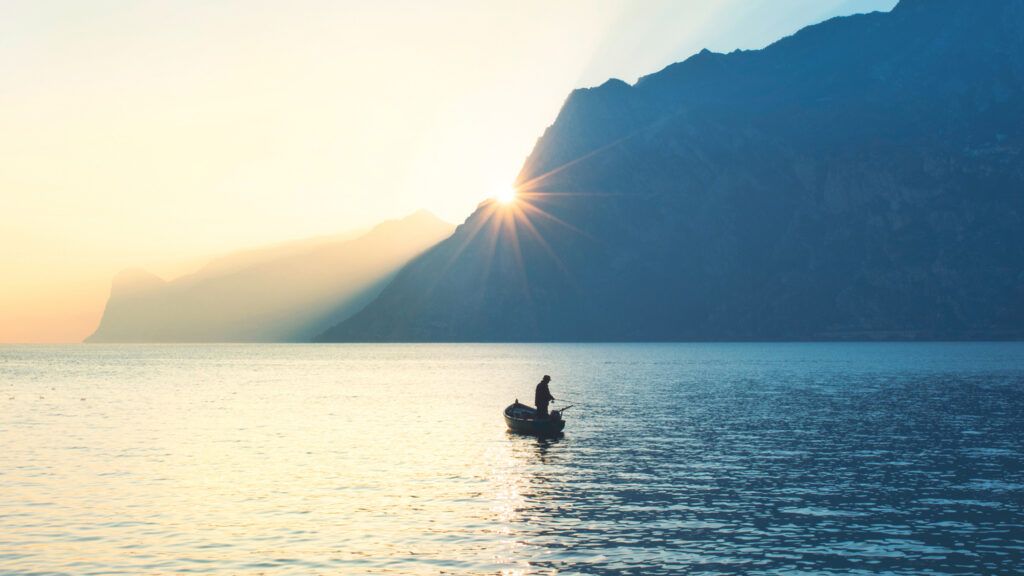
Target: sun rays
x=506, y=195
x=508, y=221
x=506, y=236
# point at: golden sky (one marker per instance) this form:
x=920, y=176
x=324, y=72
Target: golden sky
x=155, y=134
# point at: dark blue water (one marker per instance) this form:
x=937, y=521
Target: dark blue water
x=817, y=458
x=677, y=458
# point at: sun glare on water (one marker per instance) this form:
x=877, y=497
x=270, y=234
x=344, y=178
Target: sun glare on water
x=505, y=195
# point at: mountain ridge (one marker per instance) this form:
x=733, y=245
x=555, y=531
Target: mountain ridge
x=860, y=178
x=287, y=292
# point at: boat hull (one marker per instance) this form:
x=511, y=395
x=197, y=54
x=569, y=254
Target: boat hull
x=518, y=419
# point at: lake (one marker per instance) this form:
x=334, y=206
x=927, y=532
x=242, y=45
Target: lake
x=677, y=458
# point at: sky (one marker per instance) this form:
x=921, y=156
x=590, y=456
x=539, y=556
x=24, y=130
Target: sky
x=157, y=134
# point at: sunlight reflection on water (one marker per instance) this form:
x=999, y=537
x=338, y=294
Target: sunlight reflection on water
x=394, y=459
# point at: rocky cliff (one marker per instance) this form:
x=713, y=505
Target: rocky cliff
x=862, y=178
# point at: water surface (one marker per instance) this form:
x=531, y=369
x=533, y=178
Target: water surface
x=678, y=458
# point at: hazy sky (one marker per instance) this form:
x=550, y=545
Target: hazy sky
x=155, y=133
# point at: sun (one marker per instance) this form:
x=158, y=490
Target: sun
x=505, y=195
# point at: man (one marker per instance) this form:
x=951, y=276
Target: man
x=542, y=396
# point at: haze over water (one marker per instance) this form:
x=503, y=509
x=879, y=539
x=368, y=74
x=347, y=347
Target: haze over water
x=753, y=458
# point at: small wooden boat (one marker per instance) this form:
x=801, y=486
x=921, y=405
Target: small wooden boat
x=522, y=419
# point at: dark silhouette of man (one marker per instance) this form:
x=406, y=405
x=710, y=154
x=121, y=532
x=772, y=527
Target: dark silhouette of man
x=542, y=396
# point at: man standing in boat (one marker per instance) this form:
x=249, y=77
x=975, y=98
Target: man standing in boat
x=542, y=397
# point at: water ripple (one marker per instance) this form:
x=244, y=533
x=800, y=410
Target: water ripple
x=755, y=459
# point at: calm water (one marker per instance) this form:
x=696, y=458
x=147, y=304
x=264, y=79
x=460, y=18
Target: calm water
x=718, y=458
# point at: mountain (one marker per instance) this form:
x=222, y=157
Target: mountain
x=245, y=258
x=861, y=179
x=289, y=292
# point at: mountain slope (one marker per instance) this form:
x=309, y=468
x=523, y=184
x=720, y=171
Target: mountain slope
x=286, y=293
x=860, y=179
